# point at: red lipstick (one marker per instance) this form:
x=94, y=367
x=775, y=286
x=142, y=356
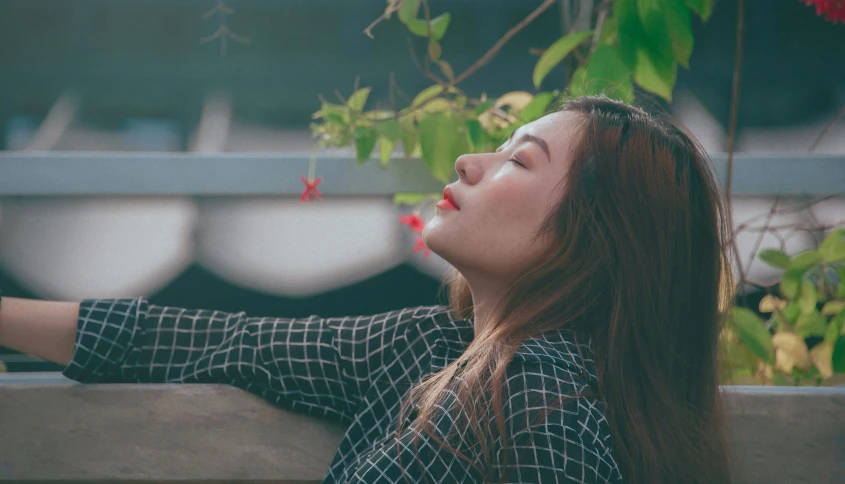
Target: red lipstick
x=448, y=202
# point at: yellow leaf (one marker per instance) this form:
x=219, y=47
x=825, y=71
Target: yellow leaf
x=833, y=307
x=764, y=373
x=790, y=350
x=784, y=362
x=385, y=150
x=822, y=356
x=515, y=99
x=490, y=120
x=438, y=105
x=770, y=304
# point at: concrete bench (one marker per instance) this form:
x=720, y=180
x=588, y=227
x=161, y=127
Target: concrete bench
x=53, y=428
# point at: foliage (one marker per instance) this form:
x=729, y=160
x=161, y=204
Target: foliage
x=625, y=44
x=630, y=42
x=810, y=308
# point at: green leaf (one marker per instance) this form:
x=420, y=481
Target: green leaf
x=832, y=248
x=784, y=320
x=385, y=148
x=832, y=307
x=629, y=30
x=806, y=259
x=408, y=135
x=475, y=132
x=410, y=198
x=654, y=21
x=839, y=355
x=608, y=31
x=358, y=99
x=439, y=25
x=484, y=106
x=408, y=11
x=334, y=113
x=607, y=73
x=536, y=107
x=365, y=142
x=556, y=53
x=834, y=327
x=840, y=286
x=791, y=281
x=775, y=258
x=389, y=128
x=578, y=83
x=426, y=94
x=808, y=298
x=679, y=24
x=442, y=139
x=810, y=324
x=704, y=8
x=655, y=74
x=753, y=333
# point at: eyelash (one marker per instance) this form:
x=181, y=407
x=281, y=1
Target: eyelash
x=517, y=162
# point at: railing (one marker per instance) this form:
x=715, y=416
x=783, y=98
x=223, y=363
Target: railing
x=98, y=173
x=59, y=430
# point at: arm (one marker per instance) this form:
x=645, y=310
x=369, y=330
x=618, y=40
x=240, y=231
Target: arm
x=321, y=366
x=45, y=329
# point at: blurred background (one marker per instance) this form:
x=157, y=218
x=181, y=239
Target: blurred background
x=119, y=76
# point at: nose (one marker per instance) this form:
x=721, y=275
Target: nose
x=467, y=168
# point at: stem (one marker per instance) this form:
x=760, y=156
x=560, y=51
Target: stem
x=827, y=128
x=492, y=51
x=732, y=131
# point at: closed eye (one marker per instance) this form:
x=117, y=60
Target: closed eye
x=517, y=162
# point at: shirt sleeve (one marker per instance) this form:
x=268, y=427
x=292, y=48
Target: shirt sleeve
x=322, y=366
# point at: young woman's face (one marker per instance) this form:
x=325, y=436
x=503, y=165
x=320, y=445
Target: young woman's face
x=503, y=198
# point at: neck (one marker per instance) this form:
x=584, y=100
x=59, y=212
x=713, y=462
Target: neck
x=485, y=294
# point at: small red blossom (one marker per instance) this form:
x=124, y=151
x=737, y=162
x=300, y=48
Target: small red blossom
x=833, y=10
x=414, y=221
x=421, y=246
x=310, y=189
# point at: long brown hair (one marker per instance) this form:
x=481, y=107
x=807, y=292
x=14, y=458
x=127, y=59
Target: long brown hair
x=639, y=268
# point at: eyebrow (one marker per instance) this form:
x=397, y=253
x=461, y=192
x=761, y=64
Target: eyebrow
x=530, y=138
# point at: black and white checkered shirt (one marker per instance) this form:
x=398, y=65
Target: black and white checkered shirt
x=356, y=369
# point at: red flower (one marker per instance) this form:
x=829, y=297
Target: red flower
x=310, y=189
x=833, y=10
x=421, y=246
x=414, y=221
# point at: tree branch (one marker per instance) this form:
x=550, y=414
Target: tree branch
x=492, y=51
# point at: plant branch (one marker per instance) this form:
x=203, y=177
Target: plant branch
x=492, y=51
x=732, y=128
x=424, y=70
x=827, y=128
x=600, y=19
x=390, y=10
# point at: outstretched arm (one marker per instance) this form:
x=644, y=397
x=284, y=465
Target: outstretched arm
x=45, y=329
x=322, y=366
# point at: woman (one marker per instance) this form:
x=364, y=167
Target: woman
x=580, y=343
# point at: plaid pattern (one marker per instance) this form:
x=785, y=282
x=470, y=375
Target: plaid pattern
x=356, y=370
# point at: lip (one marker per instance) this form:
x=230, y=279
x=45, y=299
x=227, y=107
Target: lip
x=447, y=195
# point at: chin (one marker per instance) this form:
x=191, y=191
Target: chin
x=434, y=241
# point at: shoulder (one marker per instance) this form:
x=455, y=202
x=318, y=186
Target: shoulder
x=551, y=410
x=551, y=380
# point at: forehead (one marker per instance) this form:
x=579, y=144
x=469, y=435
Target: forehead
x=556, y=129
